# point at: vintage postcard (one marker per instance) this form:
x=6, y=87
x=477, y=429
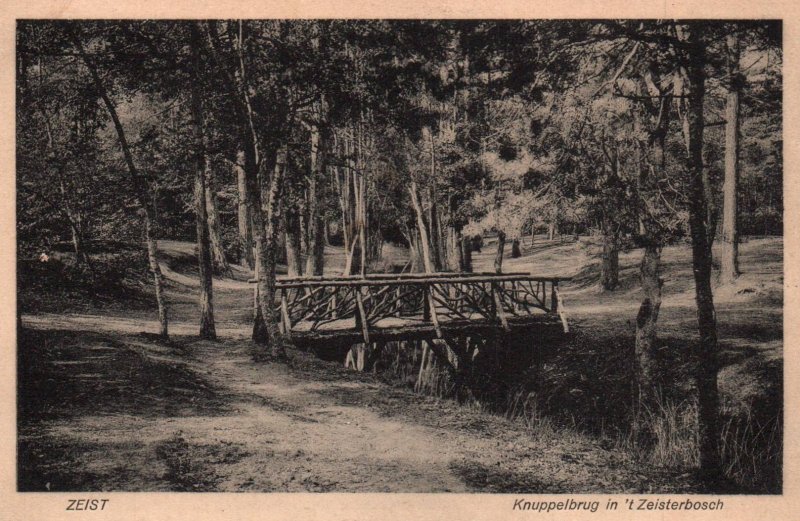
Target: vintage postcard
x=349, y=261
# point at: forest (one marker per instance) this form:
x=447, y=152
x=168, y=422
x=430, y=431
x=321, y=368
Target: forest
x=163, y=164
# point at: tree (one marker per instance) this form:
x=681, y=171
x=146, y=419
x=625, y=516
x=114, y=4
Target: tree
x=138, y=181
x=705, y=353
x=729, y=261
x=207, y=329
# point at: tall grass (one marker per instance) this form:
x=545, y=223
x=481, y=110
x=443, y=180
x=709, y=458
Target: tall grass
x=751, y=448
x=566, y=405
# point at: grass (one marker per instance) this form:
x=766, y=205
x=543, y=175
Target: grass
x=579, y=388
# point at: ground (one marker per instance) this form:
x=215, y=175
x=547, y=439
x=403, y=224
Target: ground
x=105, y=405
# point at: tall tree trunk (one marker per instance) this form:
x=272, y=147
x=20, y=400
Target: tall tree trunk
x=466, y=254
x=244, y=219
x=264, y=324
x=271, y=188
x=253, y=201
x=705, y=361
x=206, y=297
x=646, y=333
x=423, y=233
x=362, y=232
x=316, y=228
x=361, y=215
x=435, y=235
x=729, y=265
x=217, y=247
x=609, y=270
x=349, y=200
x=140, y=187
x=434, y=229
x=498, y=257
x=293, y=232
x=455, y=260
x=207, y=328
x=155, y=269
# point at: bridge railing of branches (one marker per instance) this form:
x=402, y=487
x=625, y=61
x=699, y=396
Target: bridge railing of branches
x=415, y=298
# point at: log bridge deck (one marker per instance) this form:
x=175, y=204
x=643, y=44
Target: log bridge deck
x=382, y=307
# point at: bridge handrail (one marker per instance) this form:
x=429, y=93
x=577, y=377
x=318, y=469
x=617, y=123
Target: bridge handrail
x=391, y=276
x=384, y=276
x=453, y=279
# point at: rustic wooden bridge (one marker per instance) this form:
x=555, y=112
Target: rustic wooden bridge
x=384, y=307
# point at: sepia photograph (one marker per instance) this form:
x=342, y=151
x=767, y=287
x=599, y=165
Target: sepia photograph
x=507, y=256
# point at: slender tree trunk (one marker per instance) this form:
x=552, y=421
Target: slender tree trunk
x=609, y=271
x=455, y=256
x=253, y=201
x=316, y=228
x=466, y=254
x=264, y=324
x=729, y=265
x=271, y=195
x=434, y=229
x=435, y=235
x=206, y=297
x=349, y=198
x=423, y=233
x=361, y=216
x=362, y=240
x=207, y=328
x=259, y=335
x=74, y=219
x=141, y=189
x=77, y=243
x=294, y=260
x=244, y=219
x=705, y=352
x=217, y=247
x=501, y=245
x=158, y=278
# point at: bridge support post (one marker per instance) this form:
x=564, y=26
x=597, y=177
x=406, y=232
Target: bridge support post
x=397, y=303
x=426, y=305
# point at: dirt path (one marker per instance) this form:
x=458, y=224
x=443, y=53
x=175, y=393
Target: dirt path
x=130, y=413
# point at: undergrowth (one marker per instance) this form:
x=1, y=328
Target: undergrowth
x=585, y=388
x=109, y=280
